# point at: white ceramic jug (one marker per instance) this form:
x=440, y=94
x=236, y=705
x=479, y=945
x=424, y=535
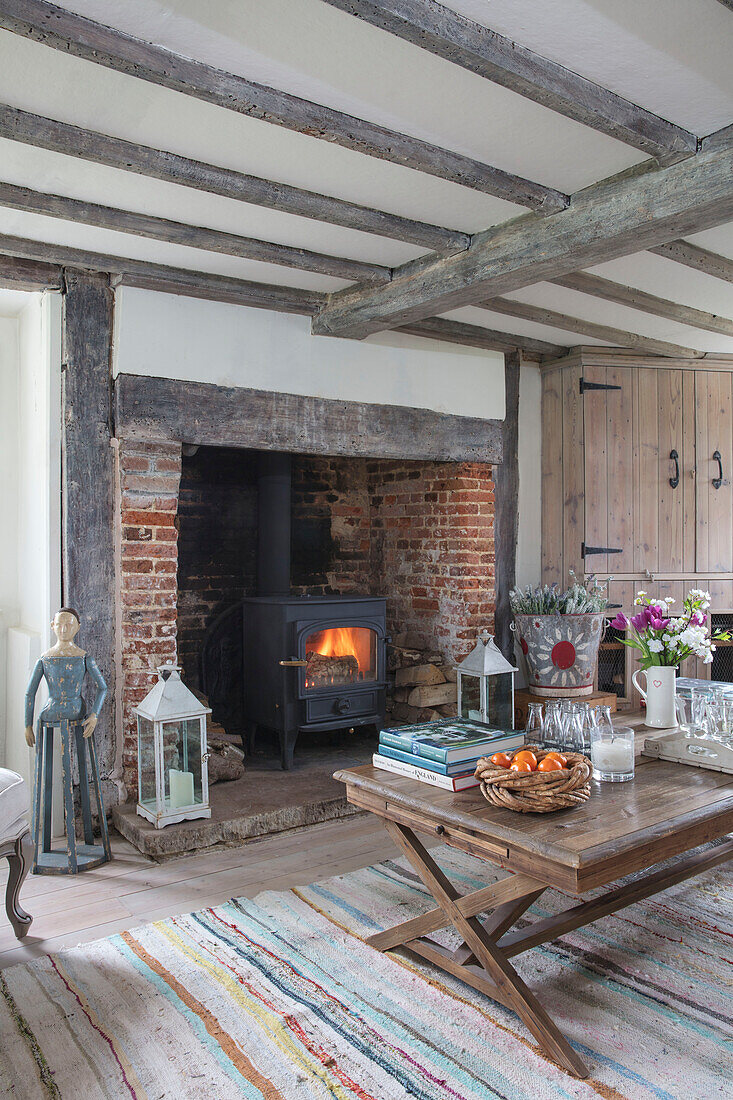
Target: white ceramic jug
x=659, y=695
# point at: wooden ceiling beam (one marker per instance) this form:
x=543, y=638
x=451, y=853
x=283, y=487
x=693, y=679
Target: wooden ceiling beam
x=699, y=259
x=64, y=30
x=610, y=291
x=541, y=316
x=452, y=36
x=42, y=264
x=476, y=336
x=74, y=141
x=18, y=274
x=192, y=236
x=632, y=211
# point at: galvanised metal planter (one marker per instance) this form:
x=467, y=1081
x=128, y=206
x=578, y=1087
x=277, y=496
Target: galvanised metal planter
x=561, y=651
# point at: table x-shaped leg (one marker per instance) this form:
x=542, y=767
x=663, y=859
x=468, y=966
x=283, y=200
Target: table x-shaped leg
x=495, y=975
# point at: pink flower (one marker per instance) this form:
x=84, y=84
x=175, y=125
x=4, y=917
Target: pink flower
x=698, y=619
x=641, y=621
x=659, y=624
x=620, y=622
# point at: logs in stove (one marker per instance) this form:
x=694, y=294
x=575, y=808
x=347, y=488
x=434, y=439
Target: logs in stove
x=310, y=663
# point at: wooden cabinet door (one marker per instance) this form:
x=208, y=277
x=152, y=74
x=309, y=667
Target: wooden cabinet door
x=714, y=437
x=675, y=503
x=609, y=469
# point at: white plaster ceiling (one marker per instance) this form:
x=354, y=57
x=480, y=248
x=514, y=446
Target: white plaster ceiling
x=671, y=56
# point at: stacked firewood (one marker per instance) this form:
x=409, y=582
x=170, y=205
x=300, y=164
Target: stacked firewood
x=420, y=686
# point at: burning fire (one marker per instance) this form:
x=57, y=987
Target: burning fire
x=343, y=642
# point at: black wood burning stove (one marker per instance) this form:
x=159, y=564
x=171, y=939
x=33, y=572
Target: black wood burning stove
x=313, y=663
x=310, y=663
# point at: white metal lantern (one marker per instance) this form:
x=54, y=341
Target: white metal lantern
x=173, y=779
x=486, y=685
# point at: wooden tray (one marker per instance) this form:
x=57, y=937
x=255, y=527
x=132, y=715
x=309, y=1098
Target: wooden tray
x=698, y=751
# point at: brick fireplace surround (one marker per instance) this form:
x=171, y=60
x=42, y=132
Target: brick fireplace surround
x=420, y=533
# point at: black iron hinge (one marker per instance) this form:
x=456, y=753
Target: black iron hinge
x=595, y=386
x=586, y=551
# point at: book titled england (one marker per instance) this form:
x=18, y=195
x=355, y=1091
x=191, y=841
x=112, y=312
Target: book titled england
x=424, y=775
x=450, y=741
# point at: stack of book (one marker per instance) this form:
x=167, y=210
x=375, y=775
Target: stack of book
x=443, y=754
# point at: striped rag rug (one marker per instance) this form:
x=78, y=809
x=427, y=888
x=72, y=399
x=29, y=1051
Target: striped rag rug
x=279, y=998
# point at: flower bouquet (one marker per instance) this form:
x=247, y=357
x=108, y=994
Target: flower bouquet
x=663, y=640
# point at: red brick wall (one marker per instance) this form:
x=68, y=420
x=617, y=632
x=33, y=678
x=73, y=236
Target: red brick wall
x=149, y=482
x=330, y=527
x=433, y=550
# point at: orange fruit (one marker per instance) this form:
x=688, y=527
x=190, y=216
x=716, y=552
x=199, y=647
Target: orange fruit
x=520, y=766
x=501, y=760
x=558, y=756
x=549, y=764
x=526, y=755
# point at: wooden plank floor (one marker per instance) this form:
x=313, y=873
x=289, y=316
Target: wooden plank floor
x=131, y=889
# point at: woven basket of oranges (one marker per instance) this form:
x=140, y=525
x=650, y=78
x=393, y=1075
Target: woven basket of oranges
x=535, y=780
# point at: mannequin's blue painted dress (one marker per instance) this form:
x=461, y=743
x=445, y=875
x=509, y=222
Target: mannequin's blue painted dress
x=65, y=678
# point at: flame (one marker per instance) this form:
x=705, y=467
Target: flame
x=344, y=641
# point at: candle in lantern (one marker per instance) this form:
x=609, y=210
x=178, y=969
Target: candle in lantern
x=181, y=784
x=613, y=758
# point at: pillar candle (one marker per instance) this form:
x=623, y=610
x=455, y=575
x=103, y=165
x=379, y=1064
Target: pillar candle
x=181, y=785
x=616, y=756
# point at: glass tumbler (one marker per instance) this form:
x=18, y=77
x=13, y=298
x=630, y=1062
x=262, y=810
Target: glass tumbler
x=612, y=753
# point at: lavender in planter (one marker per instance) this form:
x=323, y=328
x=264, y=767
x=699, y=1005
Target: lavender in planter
x=559, y=633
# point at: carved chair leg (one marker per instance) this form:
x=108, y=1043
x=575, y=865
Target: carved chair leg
x=20, y=864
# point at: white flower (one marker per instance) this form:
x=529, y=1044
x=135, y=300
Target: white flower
x=639, y=598
x=655, y=645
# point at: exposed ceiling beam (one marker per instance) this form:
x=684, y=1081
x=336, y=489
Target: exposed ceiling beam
x=646, y=303
x=193, y=236
x=71, y=33
x=73, y=141
x=608, y=334
x=699, y=259
x=15, y=252
x=727, y=4
x=476, y=336
x=198, y=284
x=455, y=38
x=17, y=274
x=629, y=212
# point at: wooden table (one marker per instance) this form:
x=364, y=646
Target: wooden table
x=665, y=812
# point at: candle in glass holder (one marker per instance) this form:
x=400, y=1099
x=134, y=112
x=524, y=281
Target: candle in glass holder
x=613, y=757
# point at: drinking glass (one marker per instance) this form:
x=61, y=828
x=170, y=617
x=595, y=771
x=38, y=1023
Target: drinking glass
x=612, y=751
x=699, y=699
x=552, y=731
x=534, y=729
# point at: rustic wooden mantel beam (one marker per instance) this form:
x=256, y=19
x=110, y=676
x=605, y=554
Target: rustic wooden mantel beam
x=75, y=141
x=193, y=236
x=610, y=291
x=227, y=416
x=452, y=36
x=627, y=213
x=71, y=33
x=699, y=259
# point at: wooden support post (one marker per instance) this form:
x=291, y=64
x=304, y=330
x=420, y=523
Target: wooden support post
x=88, y=478
x=506, y=508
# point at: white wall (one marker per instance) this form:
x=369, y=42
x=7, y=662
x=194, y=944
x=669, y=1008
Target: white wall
x=9, y=370
x=196, y=340
x=32, y=532
x=529, y=557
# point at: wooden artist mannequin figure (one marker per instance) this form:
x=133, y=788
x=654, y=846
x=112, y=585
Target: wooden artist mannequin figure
x=64, y=667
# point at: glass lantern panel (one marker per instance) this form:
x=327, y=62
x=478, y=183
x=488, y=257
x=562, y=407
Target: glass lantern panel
x=470, y=697
x=500, y=702
x=146, y=763
x=182, y=763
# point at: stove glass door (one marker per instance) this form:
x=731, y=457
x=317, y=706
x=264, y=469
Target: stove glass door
x=340, y=655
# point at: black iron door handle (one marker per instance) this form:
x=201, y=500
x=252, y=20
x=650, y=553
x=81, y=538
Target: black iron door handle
x=718, y=481
x=674, y=481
